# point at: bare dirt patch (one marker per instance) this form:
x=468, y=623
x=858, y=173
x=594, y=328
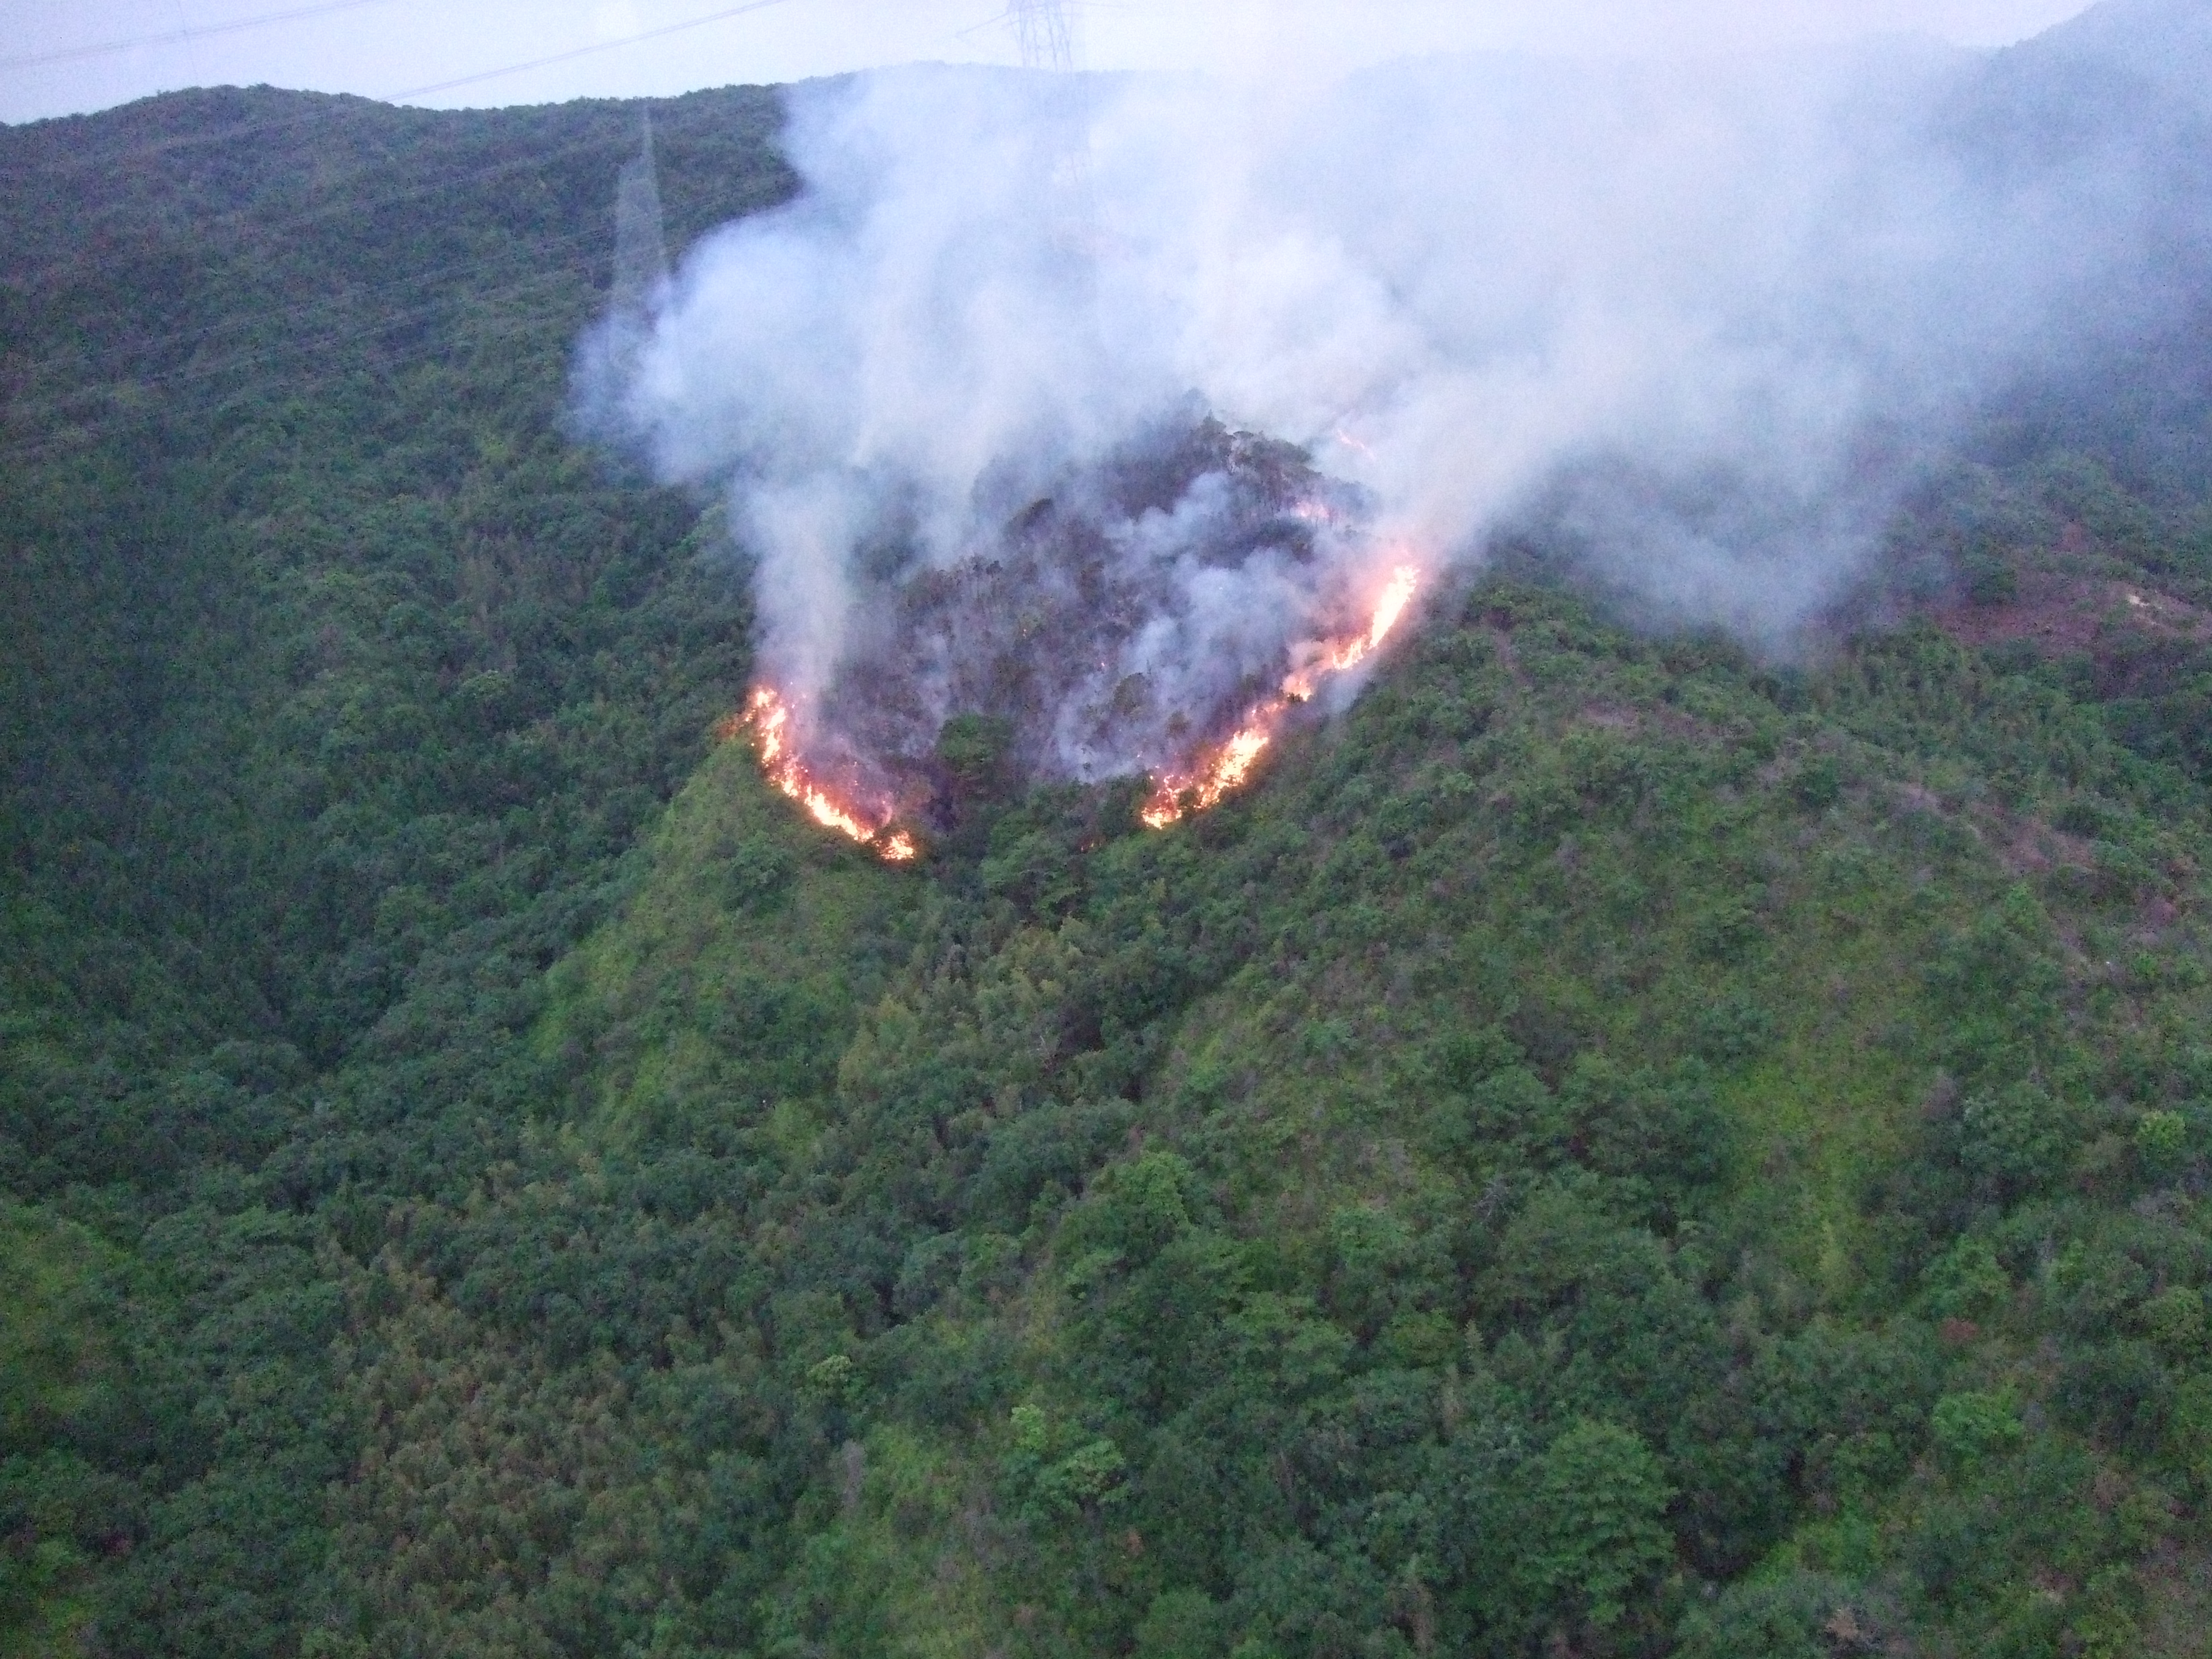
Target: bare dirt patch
x=2070, y=614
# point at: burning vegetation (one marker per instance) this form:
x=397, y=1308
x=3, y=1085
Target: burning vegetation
x=1225, y=767
x=1161, y=614
x=767, y=716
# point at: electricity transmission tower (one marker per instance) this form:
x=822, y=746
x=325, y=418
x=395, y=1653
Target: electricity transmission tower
x=1046, y=35
x=640, y=244
x=612, y=352
x=1045, y=31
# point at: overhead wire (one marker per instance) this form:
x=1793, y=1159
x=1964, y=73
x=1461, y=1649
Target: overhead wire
x=333, y=202
x=253, y=128
x=582, y=52
x=101, y=49
x=203, y=368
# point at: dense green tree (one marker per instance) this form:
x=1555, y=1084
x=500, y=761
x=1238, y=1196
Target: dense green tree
x=1612, y=1145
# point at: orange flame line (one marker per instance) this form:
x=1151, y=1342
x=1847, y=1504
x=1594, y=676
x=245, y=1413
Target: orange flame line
x=770, y=716
x=1175, y=793
x=1220, y=772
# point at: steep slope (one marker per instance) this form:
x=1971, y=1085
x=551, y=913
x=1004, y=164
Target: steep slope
x=1613, y=1146
x=336, y=683
x=1606, y=1121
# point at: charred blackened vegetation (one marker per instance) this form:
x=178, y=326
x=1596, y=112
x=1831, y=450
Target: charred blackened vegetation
x=1066, y=628
x=1612, y=1143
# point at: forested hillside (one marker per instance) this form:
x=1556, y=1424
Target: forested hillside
x=1619, y=1144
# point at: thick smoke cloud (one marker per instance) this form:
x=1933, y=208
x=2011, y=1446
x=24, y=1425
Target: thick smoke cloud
x=1026, y=353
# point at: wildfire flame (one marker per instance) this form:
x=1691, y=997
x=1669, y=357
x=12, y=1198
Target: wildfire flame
x=769, y=717
x=1226, y=766
x=1175, y=794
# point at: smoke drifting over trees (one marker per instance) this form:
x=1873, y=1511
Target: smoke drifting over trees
x=1702, y=324
x=1627, y=1147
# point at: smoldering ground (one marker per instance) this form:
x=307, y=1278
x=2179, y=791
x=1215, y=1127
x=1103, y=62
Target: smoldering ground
x=1083, y=402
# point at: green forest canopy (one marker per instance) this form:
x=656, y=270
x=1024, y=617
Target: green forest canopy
x=1615, y=1146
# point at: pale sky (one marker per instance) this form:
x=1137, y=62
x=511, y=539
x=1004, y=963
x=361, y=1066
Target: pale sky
x=59, y=56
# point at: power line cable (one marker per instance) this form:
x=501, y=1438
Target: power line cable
x=107, y=159
x=581, y=51
x=202, y=369
x=71, y=54
x=334, y=204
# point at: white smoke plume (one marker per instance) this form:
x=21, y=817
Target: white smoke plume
x=1101, y=468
